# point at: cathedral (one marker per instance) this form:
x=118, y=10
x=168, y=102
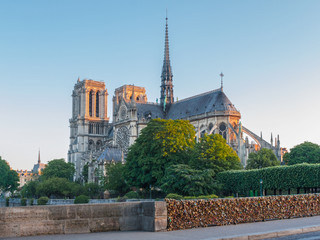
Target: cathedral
x=95, y=141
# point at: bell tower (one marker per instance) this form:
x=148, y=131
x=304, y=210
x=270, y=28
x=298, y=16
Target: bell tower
x=89, y=121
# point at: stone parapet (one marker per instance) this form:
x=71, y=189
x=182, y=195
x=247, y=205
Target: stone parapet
x=82, y=218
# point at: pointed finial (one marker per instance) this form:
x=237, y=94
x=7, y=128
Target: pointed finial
x=39, y=161
x=221, y=75
x=132, y=97
x=78, y=79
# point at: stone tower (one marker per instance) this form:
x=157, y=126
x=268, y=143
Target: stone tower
x=89, y=122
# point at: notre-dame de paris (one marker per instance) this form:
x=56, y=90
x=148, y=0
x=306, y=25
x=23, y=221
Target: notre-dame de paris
x=95, y=141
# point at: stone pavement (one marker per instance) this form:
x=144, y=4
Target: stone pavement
x=259, y=230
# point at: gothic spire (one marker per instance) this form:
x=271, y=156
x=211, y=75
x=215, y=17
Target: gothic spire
x=166, y=75
x=39, y=161
x=221, y=75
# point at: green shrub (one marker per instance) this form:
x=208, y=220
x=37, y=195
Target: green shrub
x=121, y=199
x=200, y=197
x=23, y=202
x=132, y=195
x=7, y=202
x=32, y=201
x=81, y=199
x=43, y=200
x=174, y=196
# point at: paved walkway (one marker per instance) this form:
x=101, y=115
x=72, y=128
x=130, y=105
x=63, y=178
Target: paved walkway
x=259, y=230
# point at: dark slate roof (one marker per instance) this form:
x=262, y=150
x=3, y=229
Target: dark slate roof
x=143, y=110
x=211, y=101
x=111, y=153
x=110, y=132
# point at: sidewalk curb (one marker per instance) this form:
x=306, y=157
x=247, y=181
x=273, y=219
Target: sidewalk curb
x=273, y=234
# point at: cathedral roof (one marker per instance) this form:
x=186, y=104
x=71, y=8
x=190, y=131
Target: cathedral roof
x=111, y=153
x=212, y=101
x=143, y=110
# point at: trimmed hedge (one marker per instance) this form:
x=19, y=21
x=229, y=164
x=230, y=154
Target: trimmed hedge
x=132, y=195
x=274, y=178
x=23, y=202
x=81, y=199
x=174, y=196
x=43, y=200
x=179, y=197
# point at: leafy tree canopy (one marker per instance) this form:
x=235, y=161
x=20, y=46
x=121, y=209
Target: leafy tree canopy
x=213, y=152
x=58, y=168
x=93, y=190
x=85, y=172
x=29, y=189
x=59, y=187
x=184, y=180
x=8, y=178
x=161, y=144
x=306, y=152
x=115, y=179
x=261, y=159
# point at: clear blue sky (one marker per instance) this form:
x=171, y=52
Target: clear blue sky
x=269, y=51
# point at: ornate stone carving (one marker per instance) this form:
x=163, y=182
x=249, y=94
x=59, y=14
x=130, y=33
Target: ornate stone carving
x=123, y=138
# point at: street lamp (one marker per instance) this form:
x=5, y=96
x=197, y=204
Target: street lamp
x=261, y=187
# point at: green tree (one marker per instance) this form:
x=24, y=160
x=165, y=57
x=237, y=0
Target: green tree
x=58, y=168
x=58, y=187
x=213, y=152
x=93, y=190
x=115, y=179
x=30, y=189
x=161, y=144
x=306, y=152
x=85, y=172
x=8, y=178
x=261, y=159
x=184, y=180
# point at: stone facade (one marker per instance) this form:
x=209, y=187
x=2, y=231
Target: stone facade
x=89, y=123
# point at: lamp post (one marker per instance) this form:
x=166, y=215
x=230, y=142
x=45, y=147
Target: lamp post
x=261, y=187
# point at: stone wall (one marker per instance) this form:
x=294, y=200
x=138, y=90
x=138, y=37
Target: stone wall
x=82, y=218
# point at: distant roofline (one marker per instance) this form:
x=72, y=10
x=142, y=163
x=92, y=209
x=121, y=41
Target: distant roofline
x=150, y=103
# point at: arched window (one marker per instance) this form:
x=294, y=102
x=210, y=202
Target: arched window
x=90, y=102
x=99, y=144
x=223, y=130
x=97, y=104
x=203, y=132
x=210, y=127
x=91, y=145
